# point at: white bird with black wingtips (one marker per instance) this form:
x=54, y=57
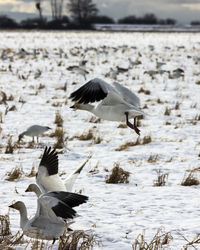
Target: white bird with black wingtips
x=118, y=103
x=52, y=208
x=47, y=176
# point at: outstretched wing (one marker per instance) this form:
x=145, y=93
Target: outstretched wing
x=127, y=95
x=60, y=204
x=49, y=161
x=94, y=90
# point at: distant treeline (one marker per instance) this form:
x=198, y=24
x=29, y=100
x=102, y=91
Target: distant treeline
x=67, y=23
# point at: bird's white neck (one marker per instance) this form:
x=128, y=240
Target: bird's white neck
x=23, y=216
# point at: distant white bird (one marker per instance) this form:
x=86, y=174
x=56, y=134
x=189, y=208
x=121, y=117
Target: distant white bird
x=118, y=103
x=34, y=130
x=47, y=176
x=46, y=224
x=81, y=69
x=177, y=73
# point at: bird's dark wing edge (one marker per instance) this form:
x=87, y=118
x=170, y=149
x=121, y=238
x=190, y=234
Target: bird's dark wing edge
x=50, y=161
x=89, y=92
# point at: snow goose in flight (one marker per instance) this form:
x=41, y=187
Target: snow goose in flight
x=47, y=176
x=34, y=130
x=46, y=224
x=118, y=103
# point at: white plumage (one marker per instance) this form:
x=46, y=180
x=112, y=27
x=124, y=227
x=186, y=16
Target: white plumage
x=33, y=131
x=47, y=176
x=117, y=103
x=48, y=221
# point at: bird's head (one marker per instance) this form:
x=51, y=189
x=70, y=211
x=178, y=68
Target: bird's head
x=20, y=137
x=30, y=188
x=48, y=128
x=17, y=205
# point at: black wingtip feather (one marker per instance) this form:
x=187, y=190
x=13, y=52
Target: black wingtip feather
x=50, y=161
x=70, y=199
x=89, y=92
x=64, y=211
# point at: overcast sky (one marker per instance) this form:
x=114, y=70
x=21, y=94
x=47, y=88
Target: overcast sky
x=183, y=11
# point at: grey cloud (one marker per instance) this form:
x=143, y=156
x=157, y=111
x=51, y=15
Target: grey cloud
x=161, y=8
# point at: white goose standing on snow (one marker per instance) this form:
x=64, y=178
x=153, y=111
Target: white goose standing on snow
x=34, y=130
x=118, y=103
x=47, y=176
x=46, y=224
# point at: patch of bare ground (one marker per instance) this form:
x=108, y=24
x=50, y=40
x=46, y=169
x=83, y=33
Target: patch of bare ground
x=118, y=175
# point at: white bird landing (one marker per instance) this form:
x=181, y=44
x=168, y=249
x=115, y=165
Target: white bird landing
x=47, y=176
x=118, y=103
x=34, y=130
x=46, y=224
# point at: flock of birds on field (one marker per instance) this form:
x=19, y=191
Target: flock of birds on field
x=55, y=201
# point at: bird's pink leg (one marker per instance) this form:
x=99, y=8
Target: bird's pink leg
x=132, y=126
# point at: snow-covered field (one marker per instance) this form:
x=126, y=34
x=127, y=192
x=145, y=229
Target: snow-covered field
x=117, y=213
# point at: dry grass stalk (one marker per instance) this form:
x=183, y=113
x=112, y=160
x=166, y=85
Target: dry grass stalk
x=167, y=111
x=122, y=125
x=118, y=175
x=3, y=97
x=4, y=225
x=58, y=119
x=159, y=101
x=32, y=172
x=95, y=170
x=36, y=245
x=147, y=139
x=6, y=239
x=159, y=241
x=59, y=134
x=145, y=91
x=41, y=86
x=15, y=174
x=10, y=146
x=7, y=242
x=191, y=178
x=31, y=144
x=126, y=145
x=94, y=119
x=152, y=158
x=177, y=105
x=89, y=135
x=1, y=117
x=78, y=240
x=161, y=179
x=12, y=108
x=11, y=98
